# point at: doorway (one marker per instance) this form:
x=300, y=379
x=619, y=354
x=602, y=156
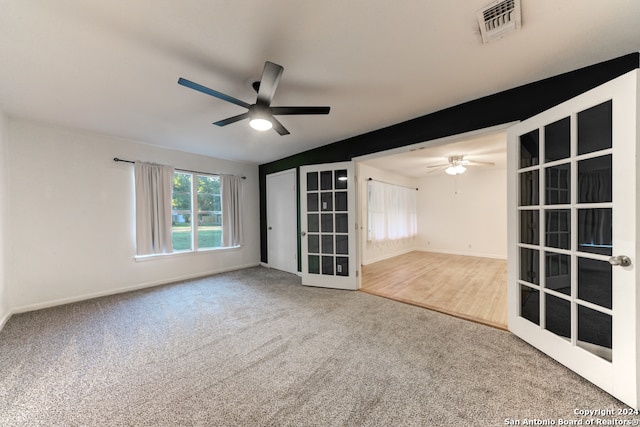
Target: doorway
x=457, y=264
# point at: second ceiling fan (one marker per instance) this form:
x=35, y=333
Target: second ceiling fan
x=261, y=113
x=457, y=165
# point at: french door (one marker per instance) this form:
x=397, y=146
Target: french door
x=572, y=235
x=327, y=224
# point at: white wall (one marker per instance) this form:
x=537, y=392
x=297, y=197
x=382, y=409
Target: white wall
x=72, y=216
x=467, y=217
x=372, y=252
x=4, y=229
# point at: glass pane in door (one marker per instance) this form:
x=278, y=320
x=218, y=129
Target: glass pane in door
x=314, y=264
x=529, y=148
x=558, y=184
x=594, y=180
x=326, y=225
x=558, y=272
x=342, y=224
x=530, y=304
x=594, y=128
x=326, y=180
x=312, y=202
x=558, y=228
x=312, y=181
x=327, y=265
x=558, y=316
x=341, y=179
x=530, y=265
x=595, y=231
x=529, y=227
x=529, y=188
x=342, y=266
x=557, y=140
x=595, y=332
x=313, y=223
x=594, y=282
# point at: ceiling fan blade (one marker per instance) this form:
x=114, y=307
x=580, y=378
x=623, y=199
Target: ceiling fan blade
x=473, y=162
x=277, y=126
x=439, y=166
x=215, y=93
x=269, y=82
x=299, y=110
x=435, y=169
x=232, y=119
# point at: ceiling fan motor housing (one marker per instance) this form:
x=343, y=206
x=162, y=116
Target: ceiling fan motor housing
x=456, y=160
x=257, y=111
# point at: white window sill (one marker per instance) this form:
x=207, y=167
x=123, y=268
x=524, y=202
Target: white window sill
x=155, y=257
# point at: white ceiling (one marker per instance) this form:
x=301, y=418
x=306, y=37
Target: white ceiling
x=111, y=66
x=413, y=161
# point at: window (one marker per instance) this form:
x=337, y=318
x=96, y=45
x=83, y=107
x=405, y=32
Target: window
x=392, y=212
x=196, y=214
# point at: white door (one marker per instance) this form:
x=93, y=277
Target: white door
x=282, y=221
x=572, y=235
x=328, y=227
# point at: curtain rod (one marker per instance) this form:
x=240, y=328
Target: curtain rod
x=115, y=159
x=389, y=183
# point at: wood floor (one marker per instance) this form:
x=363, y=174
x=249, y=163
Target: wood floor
x=472, y=288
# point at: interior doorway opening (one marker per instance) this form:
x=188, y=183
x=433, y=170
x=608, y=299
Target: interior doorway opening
x=457, y=263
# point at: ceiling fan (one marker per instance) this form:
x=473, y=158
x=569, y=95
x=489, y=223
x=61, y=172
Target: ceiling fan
x=457, y=165
x=261, y=114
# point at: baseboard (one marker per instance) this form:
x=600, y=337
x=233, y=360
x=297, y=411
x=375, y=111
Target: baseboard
x=5, y=319
x=62, y=301
x=463, y=253
x=266, y=265
x=387, y=256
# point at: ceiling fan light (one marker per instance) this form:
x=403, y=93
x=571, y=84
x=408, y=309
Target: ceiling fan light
x=260, y=124
x=455, y=170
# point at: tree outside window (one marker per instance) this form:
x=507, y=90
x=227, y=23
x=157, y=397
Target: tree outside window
x=202, y=213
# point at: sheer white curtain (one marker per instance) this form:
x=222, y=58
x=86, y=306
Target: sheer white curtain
x=154, y=185
x=392, y=212
x=231, y=192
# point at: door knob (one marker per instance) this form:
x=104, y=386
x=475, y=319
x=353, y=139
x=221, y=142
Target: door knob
x=621, y=260
x=304, y=233
x=270, y=228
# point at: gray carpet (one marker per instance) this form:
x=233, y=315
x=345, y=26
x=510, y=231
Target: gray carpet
x=255, y=348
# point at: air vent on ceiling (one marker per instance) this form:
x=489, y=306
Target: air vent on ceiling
x=499, y=19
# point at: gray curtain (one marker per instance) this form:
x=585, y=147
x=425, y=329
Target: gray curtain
x=154, y=185
x=231, y=191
